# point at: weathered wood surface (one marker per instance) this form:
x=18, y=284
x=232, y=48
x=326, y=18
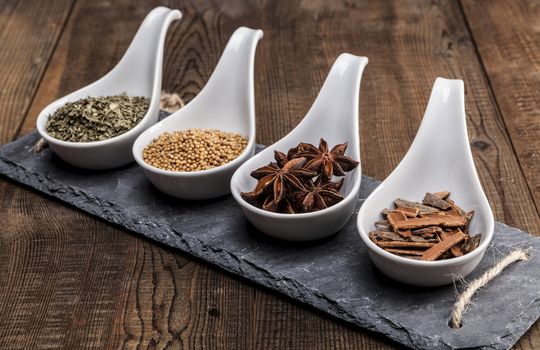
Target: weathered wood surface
x=29, y=31
x=68, y=280
x=507, y=35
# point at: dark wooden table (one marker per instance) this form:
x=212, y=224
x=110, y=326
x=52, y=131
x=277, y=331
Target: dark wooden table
x=69, y=280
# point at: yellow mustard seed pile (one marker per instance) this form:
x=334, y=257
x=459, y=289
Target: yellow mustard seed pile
x=194, y=149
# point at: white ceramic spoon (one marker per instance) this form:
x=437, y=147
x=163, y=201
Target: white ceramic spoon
x=227, y=103
x=334, y=117
x=138, y=73
x=439, y=159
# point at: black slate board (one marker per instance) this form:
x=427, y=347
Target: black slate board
x=334, y=275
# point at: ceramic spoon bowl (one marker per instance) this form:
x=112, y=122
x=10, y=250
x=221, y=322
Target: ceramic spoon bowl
x=137, y=74
x=439, y=159
x=225, y=103
x=334, y=117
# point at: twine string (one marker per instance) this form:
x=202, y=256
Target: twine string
x=464, y=298
x=170, y=102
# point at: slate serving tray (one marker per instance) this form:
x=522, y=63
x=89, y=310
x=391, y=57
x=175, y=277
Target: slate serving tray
x=334, y=275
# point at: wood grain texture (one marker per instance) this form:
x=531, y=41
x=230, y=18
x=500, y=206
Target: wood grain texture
x=507, y=35
x=73, y=281
x=29, y=31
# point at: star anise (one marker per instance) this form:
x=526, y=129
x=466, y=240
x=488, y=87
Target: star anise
x=275, y=180
x=284, y=206
x=320, y=194
x=281, y=158
x=328, y=163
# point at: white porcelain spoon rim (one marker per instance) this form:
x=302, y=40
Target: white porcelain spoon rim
x=241, y=158
x=175, y=14
x=486, y=240
x=352, y=194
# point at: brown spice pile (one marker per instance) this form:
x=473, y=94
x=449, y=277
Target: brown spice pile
x=194, y=149
x=301, y=180
x=435, y=229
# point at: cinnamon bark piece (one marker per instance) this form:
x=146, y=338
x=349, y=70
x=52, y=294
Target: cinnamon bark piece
x=453, y=211
x=386, y=211
x=385, y=236
x=471, y=244
x=396, y=217
x=434, y=201
x=408, y=212
x=383, y=224
x=469, y=217
x=456, y=207
x=422, y=209
x=405, y=252
x=442, y=194
x=438, y=249
x=430, y=231
x=455, y=250
x=405, y=233
x=432, y=220
x=399, y=244
x=392, y=236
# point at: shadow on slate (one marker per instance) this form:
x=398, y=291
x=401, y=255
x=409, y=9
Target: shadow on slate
x=334, y=275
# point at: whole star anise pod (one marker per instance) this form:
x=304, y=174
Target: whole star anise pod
x=284, y=206
x=320, y=194
x=326, y=162
x=275, y=180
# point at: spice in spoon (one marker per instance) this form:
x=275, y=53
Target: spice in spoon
x=194, y=149
x=301, y=181
x=435, y=229
x=97, y=118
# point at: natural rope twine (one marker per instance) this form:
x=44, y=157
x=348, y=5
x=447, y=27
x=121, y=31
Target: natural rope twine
x=167, y=102
x=465, y=298
x=170, y=102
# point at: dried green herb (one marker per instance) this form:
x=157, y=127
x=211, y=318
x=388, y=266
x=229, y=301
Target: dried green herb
x=97, y=118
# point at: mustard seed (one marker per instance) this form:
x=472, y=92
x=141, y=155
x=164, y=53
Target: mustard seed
x=194, y=149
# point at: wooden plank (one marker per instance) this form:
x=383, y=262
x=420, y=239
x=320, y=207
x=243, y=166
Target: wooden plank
x=111, y=288
x=29, y=31
x=508, y=40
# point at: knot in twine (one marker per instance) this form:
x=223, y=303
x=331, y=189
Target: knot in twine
x=170, y=102
x=464, y=298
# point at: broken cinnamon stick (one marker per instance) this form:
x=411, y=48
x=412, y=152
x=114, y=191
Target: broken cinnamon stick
x=422, y=209
x=434, y=220
x=408, y=212
x=434, y=201
x=404, y=252
x=392, y=236
x=438, y=249
x=435, y=229
x=430, y=231
x=396, y=217
x=471, y=244
x=442, y=194
x=402, y=244
x=456, y=249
